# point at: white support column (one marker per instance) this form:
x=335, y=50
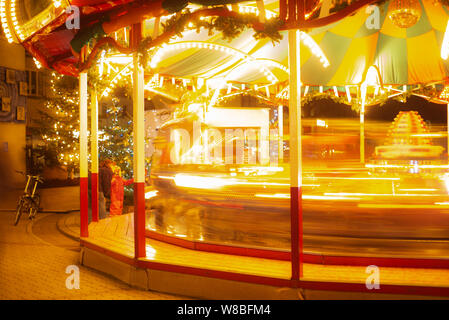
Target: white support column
x=138, y=122
x=83, y=125
x=295, y=109
x=139, y=157
x=261, y=8
x=84, y=200
x=362, y=123
x=94, y=131
x=157, y=21
x=264, y=142
x=362, y=134
x=325, y=8
x=281, y=133
x=295, y=154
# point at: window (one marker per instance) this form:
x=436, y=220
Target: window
x=35, y=83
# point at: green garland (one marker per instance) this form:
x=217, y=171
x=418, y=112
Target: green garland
x=355, y=102
x=253, y=94
x=143, y=52
x=381, y=99
x=189, y=97
x=230, y=27
x=173, y=90
x=318, y=96
x=93, y=75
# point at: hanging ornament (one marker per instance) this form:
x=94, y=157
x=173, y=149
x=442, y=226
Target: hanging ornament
x=405, y=13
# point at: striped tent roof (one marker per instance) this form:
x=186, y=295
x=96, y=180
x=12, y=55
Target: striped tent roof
x=403, y=56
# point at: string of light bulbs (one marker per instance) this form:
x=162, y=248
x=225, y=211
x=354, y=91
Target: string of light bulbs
x=211, y=46
x=14, y=20
x=314, y=48
x=117, y=77
x=248, y=9
x=4, y=21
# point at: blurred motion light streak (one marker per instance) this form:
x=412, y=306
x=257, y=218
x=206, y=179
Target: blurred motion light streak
x=201, y=182
x=151, y=194
x=308, y=197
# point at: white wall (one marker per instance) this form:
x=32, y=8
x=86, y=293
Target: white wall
x=12, y=135
x=12, y=154
x=12, y=55
x=238, y=117
x=244, y=118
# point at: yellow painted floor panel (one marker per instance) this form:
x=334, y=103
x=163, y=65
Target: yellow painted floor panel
x=116, y=235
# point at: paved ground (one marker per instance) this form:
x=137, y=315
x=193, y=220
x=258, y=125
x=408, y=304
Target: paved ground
x=33, y=261
x=52, y=199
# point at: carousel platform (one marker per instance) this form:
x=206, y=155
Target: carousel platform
x=172, y=269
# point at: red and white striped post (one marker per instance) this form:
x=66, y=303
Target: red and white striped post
x=295, y=155
x=139, y=147
x=94, y=153
x=84, y=197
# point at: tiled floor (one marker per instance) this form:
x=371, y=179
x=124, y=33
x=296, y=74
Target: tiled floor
x=116, y=234
x=33, y=268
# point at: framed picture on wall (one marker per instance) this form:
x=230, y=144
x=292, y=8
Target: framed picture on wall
x=6, y=104
x=10, y=76
x=23, y=88
x=21, y=113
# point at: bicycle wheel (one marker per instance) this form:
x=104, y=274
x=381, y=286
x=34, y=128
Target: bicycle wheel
x=38, y=202
x=34, y=207
x=32, y=212
x=19, y=211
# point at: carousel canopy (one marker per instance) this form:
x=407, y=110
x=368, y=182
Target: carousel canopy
x=340, y=53
x=402, y=55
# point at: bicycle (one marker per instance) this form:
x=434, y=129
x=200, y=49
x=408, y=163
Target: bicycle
x=29, y=202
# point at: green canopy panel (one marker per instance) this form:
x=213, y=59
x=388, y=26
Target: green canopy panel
x=403, y=56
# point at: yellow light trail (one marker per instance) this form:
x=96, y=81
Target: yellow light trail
x=151, y=194
x=201, y=182
x=378, y=194
x=399, y=206
x=423, y=166
x=307, y=197
x=429, y=190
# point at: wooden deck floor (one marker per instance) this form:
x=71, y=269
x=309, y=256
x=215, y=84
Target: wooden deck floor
x=116, y=234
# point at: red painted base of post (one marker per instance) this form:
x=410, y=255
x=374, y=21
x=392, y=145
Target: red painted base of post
x=139, y=220
x=94, y=183
x=84, y=207
x=296, y=232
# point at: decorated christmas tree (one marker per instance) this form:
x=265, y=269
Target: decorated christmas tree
x=58, y=125
x=58, y=128
x=116, y=137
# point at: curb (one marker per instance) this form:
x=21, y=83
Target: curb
x=61, y=225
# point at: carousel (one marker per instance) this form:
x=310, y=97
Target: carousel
x=240, y=187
